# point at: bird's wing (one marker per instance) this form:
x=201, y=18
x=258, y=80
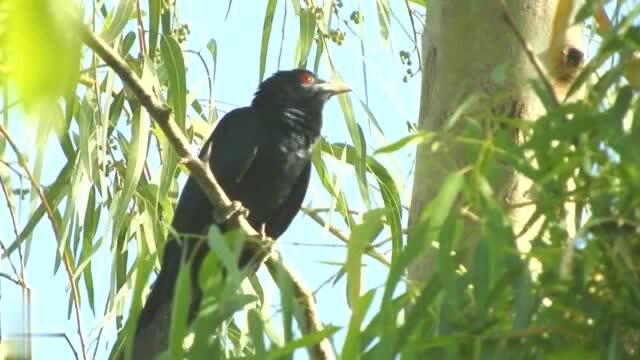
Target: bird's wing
x=282, y=217
x=234, y=144
x=230, y=149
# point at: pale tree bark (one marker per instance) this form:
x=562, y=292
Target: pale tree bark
x=466, y=46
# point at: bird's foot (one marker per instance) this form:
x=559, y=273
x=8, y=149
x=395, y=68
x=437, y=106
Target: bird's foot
x=235, y=209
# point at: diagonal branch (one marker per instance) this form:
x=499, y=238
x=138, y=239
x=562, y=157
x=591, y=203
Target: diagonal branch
x=163, y=116
x=342, y=237
x=307, y=318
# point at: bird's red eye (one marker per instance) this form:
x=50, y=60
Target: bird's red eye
x=306, y=78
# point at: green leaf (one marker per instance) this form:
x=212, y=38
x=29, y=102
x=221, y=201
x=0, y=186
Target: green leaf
x=621, y=107
x=374, y=328
x=136, y=158
x=413, y=139
x=54, y=194
x=127, y=44
x=418, y=315
x=228, y=256
x=328, y=183
x=41, y=51
x=143, y=269
x=572, y=351
x=358, y=141
x=361, y=170
x=349, y=117
x=168, y=171
x=319, y=51
x=524, y=301
x=214, y=314
x=257, y=287
x=361, y=237
x=119, y=19
x=68, y=223
x=307, y=32
x=296, y=7
x=165, y=21
x=371, y=116
x=306, y=341
x=423, y=233
x=351, y=347
x=266, y=34
x=174, y=62
x=383, y=17
x=287, y=297
x=388, y=189
x=89, y=228
x=86, y=133
x=155, y=8
x=212, y=46
x=256, y=331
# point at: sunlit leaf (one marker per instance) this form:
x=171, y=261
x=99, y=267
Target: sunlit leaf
x=155, y=7
x=174, y=62
x=351, y=347
x=119, y=19
x=306, y=341
x=256, y=331
x=413, y=139
x=43, y=55
x=361, y=236
x=307, y=32
x=212, y=46
x=388, y=189
x=383, y=17
x=136, y=158
x=266, y=34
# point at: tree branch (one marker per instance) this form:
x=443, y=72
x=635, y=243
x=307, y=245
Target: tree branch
x=339, y=235
x=162, y=114
x=68, y=264
x=307, y=318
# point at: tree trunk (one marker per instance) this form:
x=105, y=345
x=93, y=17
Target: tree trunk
x=470, y=50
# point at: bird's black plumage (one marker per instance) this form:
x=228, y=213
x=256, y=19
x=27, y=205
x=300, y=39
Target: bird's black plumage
x=260, y=156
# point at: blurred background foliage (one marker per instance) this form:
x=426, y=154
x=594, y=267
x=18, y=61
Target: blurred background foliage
x=118, y=181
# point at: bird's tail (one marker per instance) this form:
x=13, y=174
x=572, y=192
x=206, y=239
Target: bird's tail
x=161, y=294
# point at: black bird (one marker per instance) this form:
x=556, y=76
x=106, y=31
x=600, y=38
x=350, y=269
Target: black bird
x=260, y=156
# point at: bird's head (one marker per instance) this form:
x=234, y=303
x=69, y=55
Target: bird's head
x=298, y=87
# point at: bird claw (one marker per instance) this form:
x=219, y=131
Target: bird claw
x=235, y=209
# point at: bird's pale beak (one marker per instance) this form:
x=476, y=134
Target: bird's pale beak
x=333, y=88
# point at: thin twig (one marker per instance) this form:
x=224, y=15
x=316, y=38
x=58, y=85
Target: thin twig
x=284, y=21
x=326, y=210
x=12, y=168
x=47, y=335
x=537, y=64
x=15, y=231
x=67, y=262
x=295, y=243
x=415, y=33
x=143, y=45
x=162, y=114
x=17, y=281
x=206, y=69
x=338, y=234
